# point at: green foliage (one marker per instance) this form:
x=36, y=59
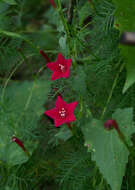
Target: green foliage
x=104, y=58
x=125, y=20
x=129, y=53
x=84, y=12
x=21, y=109
x=76, y=170
x=64, y=134
x=3, y=7
x=124, y=117
x=108, y=150
x=125, y=14
x=10, y=2
x=87, y=33
x=78, y=81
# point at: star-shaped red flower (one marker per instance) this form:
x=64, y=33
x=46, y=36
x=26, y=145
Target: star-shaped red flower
x=63, y=112
x=60, y=68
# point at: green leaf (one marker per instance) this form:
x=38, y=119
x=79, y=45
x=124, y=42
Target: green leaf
x=64, y=133
x=63, y=45
x=3, y=7
x=125, y=11
x=78, y=82
x=19, y=116
x=124, y=118
x=11, y=34
x=129, y=55
x=10, y=2
x=125, y=14
x=109, y=152
x=22, y=37
x=9, y=188
x=84, y=12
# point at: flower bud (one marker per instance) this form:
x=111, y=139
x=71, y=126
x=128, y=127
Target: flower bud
x=109, y=124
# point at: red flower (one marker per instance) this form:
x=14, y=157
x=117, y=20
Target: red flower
x=62, y=113
x=60, y=68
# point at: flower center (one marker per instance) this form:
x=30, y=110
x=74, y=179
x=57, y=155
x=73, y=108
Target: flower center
x=62, y=68
x=62, y=113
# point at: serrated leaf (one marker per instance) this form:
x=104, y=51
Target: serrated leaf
x=125, y=11
x=10, y=2
x=19, y=116
x=109, y=152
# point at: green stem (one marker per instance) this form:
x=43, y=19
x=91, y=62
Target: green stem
x=7, y=81
x=63, y=18
x=11, y=74
x=112, y=89
x=67, y=31
x=19, y=36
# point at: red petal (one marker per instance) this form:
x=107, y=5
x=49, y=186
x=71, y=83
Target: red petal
x=59, y=122
x=72, y=106
x=56, y=75
x=60, y=103
x=66, y=74
x=51, y=113
x=70, y=118
x=60, y=58
x=53, y=66
x=68, y=62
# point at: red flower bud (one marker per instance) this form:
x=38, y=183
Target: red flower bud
x=110, y=124
x=15, y=139
x=19, y=142
x=44, y=55
x=53, y=3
